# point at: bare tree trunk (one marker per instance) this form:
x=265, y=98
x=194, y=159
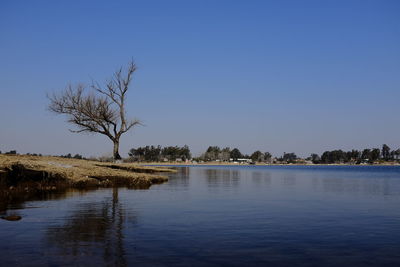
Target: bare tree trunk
x=116, y=152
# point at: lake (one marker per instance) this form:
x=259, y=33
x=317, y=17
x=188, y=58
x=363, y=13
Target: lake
x=217, y=216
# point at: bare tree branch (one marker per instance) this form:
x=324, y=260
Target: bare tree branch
x=102, y=113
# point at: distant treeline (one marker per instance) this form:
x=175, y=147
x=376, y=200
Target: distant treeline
x=357, y=157
x=215, y=153
x=69, y=156
x=11, y=152
x=158, y=153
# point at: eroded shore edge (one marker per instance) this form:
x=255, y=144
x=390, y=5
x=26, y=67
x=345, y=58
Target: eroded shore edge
x=24, y=176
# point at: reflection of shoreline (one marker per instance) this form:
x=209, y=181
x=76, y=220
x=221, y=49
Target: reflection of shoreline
x=181, y=178
x=350, y=183
x=369, y=187
x=222, y=177
x=90, y=227
x=19, y=196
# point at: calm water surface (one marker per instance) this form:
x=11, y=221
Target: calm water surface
x=218, y=216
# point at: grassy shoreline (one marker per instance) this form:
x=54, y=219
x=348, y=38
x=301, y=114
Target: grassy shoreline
x=44, y=172
x=25, y=177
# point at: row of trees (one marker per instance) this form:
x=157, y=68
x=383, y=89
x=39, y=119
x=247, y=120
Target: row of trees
x=214, y=153
x=288, y=158
x=11, y=152
x=158, y=153
x=355, y=156
x=69, y=156
x=259, y=156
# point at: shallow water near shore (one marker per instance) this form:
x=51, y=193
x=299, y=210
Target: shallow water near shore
x=213, y=216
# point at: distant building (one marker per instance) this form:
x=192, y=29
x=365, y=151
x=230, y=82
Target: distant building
x=240, y=160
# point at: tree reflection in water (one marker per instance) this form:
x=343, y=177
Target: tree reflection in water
x=222, y=178
x=93, y=231
x=181, y=178
x=17, y=198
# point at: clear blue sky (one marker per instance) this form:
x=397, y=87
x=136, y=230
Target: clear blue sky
x=279, y=76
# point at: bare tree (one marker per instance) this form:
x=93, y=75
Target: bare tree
x=102, y=110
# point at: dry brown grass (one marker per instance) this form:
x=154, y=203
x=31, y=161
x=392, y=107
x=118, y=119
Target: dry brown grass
x=78, y=173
